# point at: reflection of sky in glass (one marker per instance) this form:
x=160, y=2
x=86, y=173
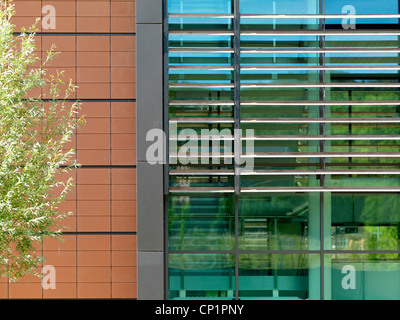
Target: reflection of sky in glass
x=289, y=7
x=363, y=7
x=197, y=21
x=281, y=6
x=203, y=6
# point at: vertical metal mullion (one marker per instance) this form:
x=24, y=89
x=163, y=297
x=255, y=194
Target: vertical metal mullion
x=322, y=146
x=166, y=142
x=237, y=135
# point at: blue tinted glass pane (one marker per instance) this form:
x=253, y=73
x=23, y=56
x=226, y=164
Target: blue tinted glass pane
x=200, y=276
x=279, y=7
x=362, y=276
x=203, y=6
x=279, y=276
x=362, y=7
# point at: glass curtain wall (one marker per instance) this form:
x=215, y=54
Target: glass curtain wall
x=284, y=149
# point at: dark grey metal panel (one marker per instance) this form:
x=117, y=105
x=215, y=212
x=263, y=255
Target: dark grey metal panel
x=149, y=11
x=150, y=178
x=150, y=275
x=149, y=84
x=150, y=219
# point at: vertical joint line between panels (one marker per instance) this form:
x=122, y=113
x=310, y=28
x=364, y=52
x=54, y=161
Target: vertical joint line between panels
x=322, y=96
x=166, y=143
x=237, y=135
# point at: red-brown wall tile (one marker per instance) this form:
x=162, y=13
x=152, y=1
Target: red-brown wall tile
x=96, y=44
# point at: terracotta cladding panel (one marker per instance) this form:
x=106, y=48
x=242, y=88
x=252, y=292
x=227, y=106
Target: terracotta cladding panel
x=25, y=23
x=124, y=290
x=124, y=224
x=22, y=290
x=97, y=51
x=123, y=242
x=93, y=208
x=93, y=8
x=64, y=8
x=93, y=24
x=90, y=141
x=94, y=242
x=94, y=274
x=123, y=43
x=93, y=43
x=95, y=110
x=93, y=75
x=123, y=176
x=68, y=243
x=124, y=274
x=94, y=291
x=123, y=75
x=93, y=176
x=60, y=43
x=123, y=109
x=123, y=24
x=96, y=126
x=94, y=258
x=123, y=157
x=123, y=141
x=61, y=258
x=93, y=192
x=124, y=258
x=124, y=208
x=27, y=8
x=93, y=224
x=94, y=157
x=62, y=291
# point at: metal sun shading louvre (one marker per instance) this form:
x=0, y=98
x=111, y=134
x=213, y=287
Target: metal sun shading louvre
x=338, y=113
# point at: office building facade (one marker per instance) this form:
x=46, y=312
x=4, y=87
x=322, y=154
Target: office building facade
x=280, y=178
x=233, y=149
x=97, y=257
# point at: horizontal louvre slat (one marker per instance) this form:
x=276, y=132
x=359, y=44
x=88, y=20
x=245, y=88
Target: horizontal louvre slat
x=202, y=120
x=201, y=85
x=201, y=190
x=288, y=137
x=284, y=68
x=282, y=189
x=201, y=103
x=200, y=50
x=350, y=32
x=376, y=32
x=281, y=16
x=322, y=155
x=300, y=68
x=199, y=67
x=203, y=155
x=322, y=137
x=286, y=85
x=320, y=85
x=321, y=120
x=200, y=16
x=200, y=33
x=201, y=137
x=318, y=16
x=318, y=172
x=283, y=172
x=283, y=50
x=200, y=172
x=284, y=103
x=320, y=103
x=325, y=50
x=320, y=189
